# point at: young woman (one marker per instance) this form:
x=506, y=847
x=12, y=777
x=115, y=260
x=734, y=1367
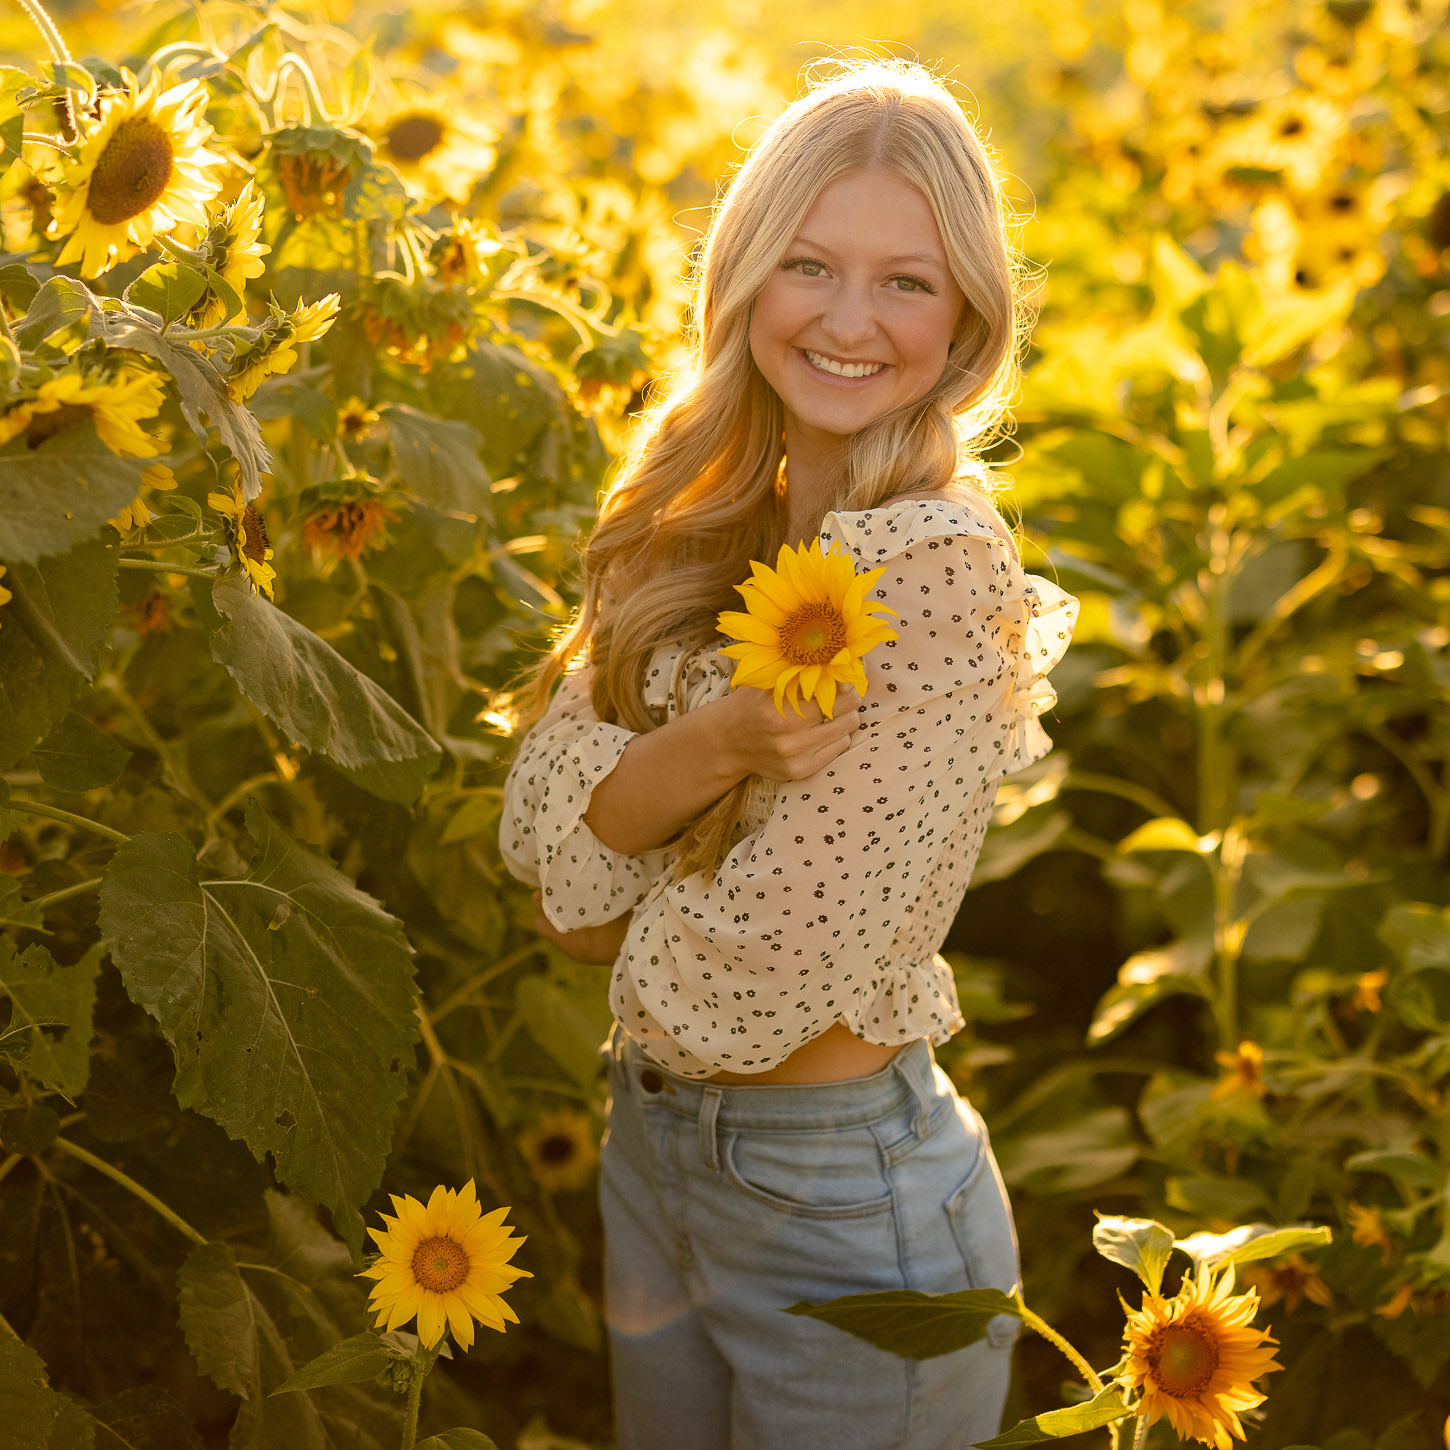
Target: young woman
x=772, y=889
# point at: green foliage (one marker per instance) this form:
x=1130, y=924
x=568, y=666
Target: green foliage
x=1105, y=1408
x=912, y=1324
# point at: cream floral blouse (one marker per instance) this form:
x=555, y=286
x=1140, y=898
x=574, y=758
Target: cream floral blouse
x=834, y=904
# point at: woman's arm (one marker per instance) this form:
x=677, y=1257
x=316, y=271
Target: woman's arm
x=666, y=777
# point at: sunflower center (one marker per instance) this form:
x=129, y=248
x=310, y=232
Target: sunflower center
x=255, y=542
x=413, y=137
x=556, y=1149
x=131, y=173
x=47, y=425
x=813, y=635
x=439, y=1265
x=1184, y=1357
x=1291, y=126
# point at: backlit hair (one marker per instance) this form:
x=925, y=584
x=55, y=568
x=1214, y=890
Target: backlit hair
x=694, y=498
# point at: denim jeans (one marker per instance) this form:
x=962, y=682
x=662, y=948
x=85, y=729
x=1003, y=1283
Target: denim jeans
x=725, y=1205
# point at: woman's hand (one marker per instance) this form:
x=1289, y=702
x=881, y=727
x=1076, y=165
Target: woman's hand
x=762, y=741
x=597, y=945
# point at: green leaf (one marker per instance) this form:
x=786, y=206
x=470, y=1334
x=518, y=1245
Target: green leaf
x=561, y=1023
x=61, y=304
x=317, y=699
x=1080, y=1153
x=217, y=1318
x=171, y=289
x=1249, y=1242
x=1147, y=978
x=203, y=395
x=51, y=638
x=438, y=459
x=50, y=1013
x=1168, y=833
x=1414, y=1170
x=363, y=1357
x=297, y=1039
x=912, y=1324
x=18, y=286
x=1105, y=1408
x=1418, y=935
x=76, y=756
x=458, y=1440
x=1140, y=1244
x=145, y=1419
x=32, y=1415
x=31, y=1129
x=55, y=496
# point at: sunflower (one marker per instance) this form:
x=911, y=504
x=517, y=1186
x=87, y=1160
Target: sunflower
x=347, y=528
x=142, y=166
x=444, y=1263
x=315, y=165
x=1244, y=1071
x=232, y=249
x=276, y=350
x=806, y=626
x=560, y=1149
x=437, y=148
x=1292, y=1279
x=1367, y=1228
x=247, y=537
x=5, y=595
x=115, y=405
x=155, y=476
x=354, y=418
x=1196, y=1356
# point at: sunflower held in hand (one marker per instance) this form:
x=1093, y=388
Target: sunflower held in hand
x=806, y=626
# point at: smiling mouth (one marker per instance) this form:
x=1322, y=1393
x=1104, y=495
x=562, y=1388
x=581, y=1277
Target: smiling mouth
x=824, y=364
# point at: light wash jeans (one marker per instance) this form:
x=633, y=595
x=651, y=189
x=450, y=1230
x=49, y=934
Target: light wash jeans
x=724, y=1205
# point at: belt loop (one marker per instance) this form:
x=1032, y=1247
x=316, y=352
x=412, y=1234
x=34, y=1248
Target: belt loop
x=709, y=1115
x=914, y=1064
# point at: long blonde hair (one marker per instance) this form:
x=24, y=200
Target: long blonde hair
x=694, y=498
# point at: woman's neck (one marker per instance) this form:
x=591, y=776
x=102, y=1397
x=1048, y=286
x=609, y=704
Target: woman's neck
x=813, y=473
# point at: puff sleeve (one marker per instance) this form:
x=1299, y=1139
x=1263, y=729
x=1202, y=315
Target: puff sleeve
x=794, y=931
x=542, y=834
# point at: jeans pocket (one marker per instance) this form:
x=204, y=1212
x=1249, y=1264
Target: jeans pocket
x=981, y=1221
x=810, y=1175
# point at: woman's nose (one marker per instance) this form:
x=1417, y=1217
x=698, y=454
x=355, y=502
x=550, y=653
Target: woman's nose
x=849, y=319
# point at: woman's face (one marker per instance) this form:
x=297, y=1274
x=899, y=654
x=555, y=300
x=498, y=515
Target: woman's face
x=858, y=316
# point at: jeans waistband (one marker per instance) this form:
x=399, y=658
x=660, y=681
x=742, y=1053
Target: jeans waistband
x=912, y=1072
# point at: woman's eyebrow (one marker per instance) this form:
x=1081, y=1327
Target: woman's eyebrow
x=931, y=259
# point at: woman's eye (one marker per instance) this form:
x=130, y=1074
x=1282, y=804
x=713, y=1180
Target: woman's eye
x=907, y=283
x=806, y=266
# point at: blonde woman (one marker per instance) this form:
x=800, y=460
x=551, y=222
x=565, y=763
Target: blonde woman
x=772, y=889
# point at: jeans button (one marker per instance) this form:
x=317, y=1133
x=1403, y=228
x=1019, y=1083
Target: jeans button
x=651, y=1081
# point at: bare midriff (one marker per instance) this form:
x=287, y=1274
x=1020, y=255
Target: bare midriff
x=834, y=1056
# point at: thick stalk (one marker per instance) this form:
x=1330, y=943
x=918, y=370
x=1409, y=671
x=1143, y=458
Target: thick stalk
x=55, y=43
x=152, y=566
x=54, y=813
x=83, y=1155
x=410, y=1415
x=1042, y=1327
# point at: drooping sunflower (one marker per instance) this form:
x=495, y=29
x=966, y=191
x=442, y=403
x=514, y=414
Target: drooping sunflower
x=276, y=350
x=1291, y=1279
x=1243, y=1071
x=347, y=528
x=232, y=247
x=247, y=538
x=115, y=404
x=445, y=1263
x=1195, y=1357
x=805, y=627
x=143, y=166
x=560, y=1149
x=315, y=165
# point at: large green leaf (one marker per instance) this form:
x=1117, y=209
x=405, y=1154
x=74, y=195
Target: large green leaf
x=287, y=997
x=54, y=496
x=362, y=1357
x=1140, y=1244
x=460, y=1439
x=50, y=639
x=203, y=394
x=319, y=700
x=49, y=1032
x=170, y=289
x=76, y=756
x=438, y=459
x=1105, y=1408
x=1251, y=1241
x=32, y=1415
x=61, y=303
x=912, y=1324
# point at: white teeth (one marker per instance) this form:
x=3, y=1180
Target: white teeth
x=842, y=370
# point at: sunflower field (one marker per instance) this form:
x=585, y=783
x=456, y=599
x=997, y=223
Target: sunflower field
x=319, y=329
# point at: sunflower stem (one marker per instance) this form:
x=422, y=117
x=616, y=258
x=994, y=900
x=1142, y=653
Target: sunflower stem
x=317, y=113
x=59, y=53
x=423, y=1362
x=159, y=568
x=1140, y=1435
x=1034, y=1321
x=40, y=138
x=54, y=813
x=65, y=893
x=84, y=1155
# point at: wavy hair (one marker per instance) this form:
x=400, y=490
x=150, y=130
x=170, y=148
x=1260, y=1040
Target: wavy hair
x=695, y=496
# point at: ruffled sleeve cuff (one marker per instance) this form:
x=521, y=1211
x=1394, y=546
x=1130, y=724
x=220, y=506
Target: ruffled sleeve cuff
x=1052, y=616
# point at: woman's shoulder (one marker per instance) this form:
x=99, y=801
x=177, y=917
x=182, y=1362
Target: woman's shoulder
x=901, y=523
